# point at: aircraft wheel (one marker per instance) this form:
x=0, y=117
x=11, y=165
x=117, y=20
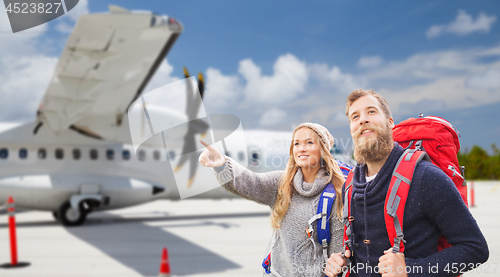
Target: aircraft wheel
x=70, y=216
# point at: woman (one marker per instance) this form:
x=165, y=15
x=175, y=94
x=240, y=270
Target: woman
x=293, y=196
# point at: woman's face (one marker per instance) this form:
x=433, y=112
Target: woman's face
x=306, y=149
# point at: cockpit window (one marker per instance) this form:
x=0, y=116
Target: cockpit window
x=23, y=153
x=110, y=154
x=59, y=153
x=171, y=155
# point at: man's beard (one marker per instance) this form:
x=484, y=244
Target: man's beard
x=371, y=150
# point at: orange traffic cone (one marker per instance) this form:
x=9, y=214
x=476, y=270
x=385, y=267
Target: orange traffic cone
x=11, y=210
x=165, y=264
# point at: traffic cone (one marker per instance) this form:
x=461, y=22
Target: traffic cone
x=165, y=264
x=11, y=211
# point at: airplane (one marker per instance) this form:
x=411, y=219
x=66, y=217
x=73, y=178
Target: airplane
x=77, y=156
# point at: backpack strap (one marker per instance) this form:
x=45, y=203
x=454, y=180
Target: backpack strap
x=346, y=213
x=322, y=218
x=325, y=205
x=397, y=194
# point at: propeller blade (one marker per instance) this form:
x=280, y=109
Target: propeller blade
x=188, y=147
x=195, y=127
x=186, y=73
x=193, y=164
x=201, y=84
x=190, y=106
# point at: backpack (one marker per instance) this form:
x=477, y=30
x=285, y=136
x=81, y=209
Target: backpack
x=325, y=204
x=431, y=138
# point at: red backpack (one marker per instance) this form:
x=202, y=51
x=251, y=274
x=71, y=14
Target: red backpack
x=424, y=137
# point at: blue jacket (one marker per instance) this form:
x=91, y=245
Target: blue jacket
x=434, y=207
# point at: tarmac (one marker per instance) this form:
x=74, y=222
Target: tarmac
x=203, y=237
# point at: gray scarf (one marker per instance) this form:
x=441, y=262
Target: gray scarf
x=310, y=189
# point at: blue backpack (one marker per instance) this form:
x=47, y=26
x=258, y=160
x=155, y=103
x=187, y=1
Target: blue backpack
x=325, y=205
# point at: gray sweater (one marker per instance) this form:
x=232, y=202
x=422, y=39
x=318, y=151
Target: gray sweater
x=293, y=253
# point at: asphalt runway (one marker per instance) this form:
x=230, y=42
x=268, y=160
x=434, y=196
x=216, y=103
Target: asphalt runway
x=203, y=237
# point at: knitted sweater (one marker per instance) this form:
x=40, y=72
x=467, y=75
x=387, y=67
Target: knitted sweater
x=434, y=207
x=293, y=252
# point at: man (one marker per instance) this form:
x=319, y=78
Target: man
x=434, y=207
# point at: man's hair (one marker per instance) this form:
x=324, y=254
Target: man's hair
x=355, y=95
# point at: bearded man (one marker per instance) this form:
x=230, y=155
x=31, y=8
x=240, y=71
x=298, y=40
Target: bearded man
x=433, y=208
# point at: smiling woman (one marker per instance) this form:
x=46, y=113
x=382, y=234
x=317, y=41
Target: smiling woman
x=293, y=195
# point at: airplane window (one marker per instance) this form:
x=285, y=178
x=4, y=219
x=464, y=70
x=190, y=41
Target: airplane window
x=141, y=155
x=4, y=153
x=76, y=154
x=126, y=155
x=94, y=154
x=156, y=155
x=171, y=155
x=59, y=153
x=110, y=154
x=42, y=153
x=23, y=153
x=241, y=156
x=255, y=156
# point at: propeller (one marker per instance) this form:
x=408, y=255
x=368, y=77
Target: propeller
x=195, y=126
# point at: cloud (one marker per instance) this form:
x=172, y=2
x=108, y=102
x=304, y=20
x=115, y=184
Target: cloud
x=162, y=76
x=23, y=81
x=334, y=79
x=66, y=23
x=18, y=43
x=370, y=61
x=463, y=25
x=221, y=90
x=24, y=75
x=272, y=117
x=288, y=81
x=439, y=81
x=423, y=106
x=486, y=80
x=81, y=8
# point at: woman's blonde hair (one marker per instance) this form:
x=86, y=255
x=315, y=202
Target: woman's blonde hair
x=285, y=188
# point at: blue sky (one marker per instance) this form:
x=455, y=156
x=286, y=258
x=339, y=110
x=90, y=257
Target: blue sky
x=276, y=64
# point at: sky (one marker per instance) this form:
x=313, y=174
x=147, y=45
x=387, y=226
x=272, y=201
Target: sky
x=276, y=64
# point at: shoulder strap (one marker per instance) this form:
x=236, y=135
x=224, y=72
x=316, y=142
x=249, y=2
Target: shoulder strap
x=326, y=200
x=346, y=212
x=324, y=208
x=397, y=194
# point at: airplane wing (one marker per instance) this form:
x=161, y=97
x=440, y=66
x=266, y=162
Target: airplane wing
x=106, y=63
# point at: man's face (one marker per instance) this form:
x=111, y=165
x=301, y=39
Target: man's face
x=371, y=131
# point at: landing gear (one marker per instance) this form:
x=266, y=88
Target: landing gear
x=70, y=216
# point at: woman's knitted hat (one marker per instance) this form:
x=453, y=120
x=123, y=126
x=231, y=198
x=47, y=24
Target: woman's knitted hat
x=322, y=132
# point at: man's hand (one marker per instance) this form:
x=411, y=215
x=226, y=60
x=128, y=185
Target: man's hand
x=211, y=157
x=392, y=264
x=335, y=263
